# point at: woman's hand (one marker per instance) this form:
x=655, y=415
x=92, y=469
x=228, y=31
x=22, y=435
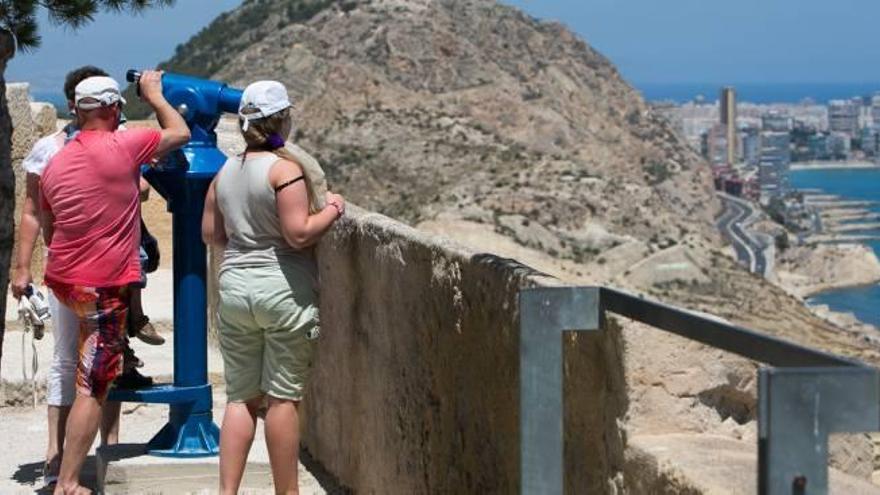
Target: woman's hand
x=336, y=201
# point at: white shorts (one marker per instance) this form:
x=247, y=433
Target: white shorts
x=61, y=382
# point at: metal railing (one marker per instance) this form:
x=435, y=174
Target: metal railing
x=803, y=397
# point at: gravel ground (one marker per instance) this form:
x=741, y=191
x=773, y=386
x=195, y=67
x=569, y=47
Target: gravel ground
x=24, y=432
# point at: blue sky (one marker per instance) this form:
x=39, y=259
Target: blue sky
x=723, y=41
x=114, y=42
x=651, y=41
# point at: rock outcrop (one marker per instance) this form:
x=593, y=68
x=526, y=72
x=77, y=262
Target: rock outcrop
x=807, y=270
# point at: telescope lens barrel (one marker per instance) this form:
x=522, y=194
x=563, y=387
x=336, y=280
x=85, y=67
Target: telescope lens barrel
x=200, y=101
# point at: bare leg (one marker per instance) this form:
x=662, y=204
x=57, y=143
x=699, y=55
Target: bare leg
x=136, y=308
x=82, y=426
x=110, y=423
x=57, y=425
x=236, y=437
x=282, y=439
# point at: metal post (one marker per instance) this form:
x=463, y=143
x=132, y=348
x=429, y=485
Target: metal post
x=797, y=409
x=190, y=293
x=545, y=313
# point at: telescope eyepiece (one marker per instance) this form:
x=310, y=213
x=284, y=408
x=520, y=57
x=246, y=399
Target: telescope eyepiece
x=133, y=75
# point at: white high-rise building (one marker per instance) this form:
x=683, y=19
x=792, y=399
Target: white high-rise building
x=843, y=117
x=773, y=164
x=875, y=109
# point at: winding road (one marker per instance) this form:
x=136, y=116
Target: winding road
x=748, y=250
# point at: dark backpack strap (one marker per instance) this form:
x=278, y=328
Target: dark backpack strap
x=289, y=183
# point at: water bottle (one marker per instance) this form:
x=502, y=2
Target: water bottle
x=38, y=301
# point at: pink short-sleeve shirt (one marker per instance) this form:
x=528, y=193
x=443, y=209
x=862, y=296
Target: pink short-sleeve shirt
x=91, y=188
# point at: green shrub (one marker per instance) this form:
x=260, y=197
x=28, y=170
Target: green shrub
x=656, y=173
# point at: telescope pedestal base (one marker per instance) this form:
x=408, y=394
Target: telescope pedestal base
x=195, y=436
x=190, y=431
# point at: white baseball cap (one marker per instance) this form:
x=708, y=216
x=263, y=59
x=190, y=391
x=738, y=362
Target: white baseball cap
x=266, y=97
x=99, y=91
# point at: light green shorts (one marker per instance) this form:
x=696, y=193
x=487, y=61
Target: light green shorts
x=268, y=328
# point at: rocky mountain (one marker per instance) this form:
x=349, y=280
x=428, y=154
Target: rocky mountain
x=469, y=115
x=466, y=107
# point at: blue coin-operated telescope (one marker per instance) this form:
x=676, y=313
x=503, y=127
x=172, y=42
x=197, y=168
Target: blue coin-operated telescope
x=182, y=178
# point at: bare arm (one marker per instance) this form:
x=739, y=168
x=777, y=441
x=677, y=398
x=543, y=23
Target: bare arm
x=300, y=229
x=213, y=231
x=175, y=132
x=28, y=230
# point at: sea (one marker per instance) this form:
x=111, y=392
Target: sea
x=55, y=98
x=848, y=184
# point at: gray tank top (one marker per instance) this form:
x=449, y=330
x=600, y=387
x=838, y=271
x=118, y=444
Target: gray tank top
x=250, y=216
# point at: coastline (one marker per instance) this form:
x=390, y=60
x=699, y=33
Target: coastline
x=807, y=271
x=858, y=266
x=839, y=280
x=833, y=165
x=836, y=285
x=846, y=321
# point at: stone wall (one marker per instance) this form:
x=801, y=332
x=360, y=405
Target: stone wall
x=30, y=122
x=415, y=388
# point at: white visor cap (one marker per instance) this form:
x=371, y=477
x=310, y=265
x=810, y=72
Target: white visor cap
x=262, y=99
x=98, y=91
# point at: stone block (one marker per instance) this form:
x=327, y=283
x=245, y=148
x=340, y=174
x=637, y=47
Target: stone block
x=30, y=122
x=45, y=118
x=24, y=133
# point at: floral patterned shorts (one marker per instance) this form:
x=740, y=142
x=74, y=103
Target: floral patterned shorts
x=103, y=322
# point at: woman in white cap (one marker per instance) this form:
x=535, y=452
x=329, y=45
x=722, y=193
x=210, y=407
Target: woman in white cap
x=261, y=208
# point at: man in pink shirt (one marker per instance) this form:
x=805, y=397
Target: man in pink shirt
x=91, y=215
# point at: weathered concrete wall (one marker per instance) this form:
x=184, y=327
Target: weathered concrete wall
x=415, y=388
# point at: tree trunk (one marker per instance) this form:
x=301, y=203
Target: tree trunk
x=7, y=182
